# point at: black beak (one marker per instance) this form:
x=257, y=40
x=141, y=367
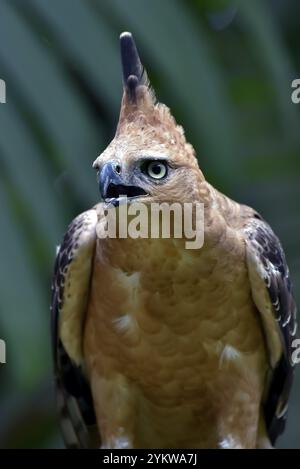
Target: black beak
x=111, y=184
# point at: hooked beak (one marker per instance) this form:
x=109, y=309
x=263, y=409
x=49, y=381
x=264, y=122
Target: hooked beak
x=112, y=185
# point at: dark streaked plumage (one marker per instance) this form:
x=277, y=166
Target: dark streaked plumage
x=277, y=280
x=78, y=421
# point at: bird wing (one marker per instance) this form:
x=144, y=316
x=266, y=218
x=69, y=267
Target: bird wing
x=70, y=290
x=272, y=294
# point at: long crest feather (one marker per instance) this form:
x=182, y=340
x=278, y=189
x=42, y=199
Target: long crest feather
x=134, y=74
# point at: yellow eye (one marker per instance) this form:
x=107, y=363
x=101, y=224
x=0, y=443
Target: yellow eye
x=157, y=170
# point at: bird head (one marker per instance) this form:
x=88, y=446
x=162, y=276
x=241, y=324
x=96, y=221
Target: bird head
x=149, y=158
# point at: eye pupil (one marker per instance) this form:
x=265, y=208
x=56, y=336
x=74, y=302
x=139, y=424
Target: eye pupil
x=156, y=168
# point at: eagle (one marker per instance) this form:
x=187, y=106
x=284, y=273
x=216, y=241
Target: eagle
x=156, y=345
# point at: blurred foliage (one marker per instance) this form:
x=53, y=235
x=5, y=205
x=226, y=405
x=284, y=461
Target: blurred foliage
x=224, y=67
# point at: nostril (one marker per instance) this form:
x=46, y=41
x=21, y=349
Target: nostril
x=118, y=168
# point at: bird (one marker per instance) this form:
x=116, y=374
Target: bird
x=159, y=346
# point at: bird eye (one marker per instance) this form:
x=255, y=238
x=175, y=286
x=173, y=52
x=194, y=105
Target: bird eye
x=156, y=169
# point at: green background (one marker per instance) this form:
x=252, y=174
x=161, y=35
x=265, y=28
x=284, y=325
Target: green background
x=224, y=67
